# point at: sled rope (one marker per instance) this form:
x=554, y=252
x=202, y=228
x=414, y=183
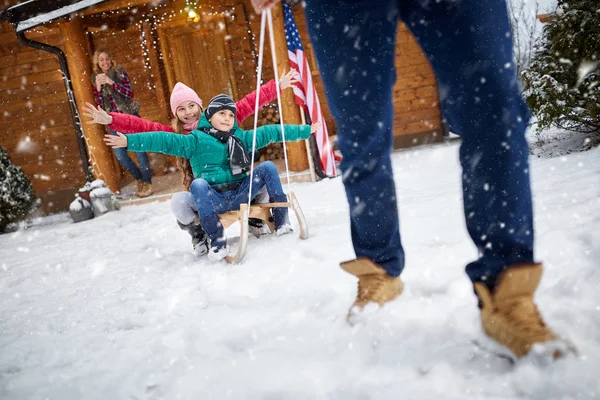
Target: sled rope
x=266, y=16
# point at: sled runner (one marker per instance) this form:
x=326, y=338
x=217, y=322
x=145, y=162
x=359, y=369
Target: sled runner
x=263, y=211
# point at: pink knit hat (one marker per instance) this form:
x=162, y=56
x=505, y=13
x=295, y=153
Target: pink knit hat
x=183, y=93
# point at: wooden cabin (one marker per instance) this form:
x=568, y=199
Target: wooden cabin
x=210, y=45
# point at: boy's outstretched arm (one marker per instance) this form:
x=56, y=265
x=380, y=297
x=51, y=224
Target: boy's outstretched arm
x=268, y=134
x=155, y=142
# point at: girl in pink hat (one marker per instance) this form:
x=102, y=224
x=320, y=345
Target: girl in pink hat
x=186, y=107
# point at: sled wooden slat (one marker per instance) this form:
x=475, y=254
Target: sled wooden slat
x=262, y=212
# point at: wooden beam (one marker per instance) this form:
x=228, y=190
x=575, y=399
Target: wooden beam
x=79, y=62
x=297, y=156
x=160, y=85
x=120, y=4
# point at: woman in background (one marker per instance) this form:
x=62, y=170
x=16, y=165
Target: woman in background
x=113, y=92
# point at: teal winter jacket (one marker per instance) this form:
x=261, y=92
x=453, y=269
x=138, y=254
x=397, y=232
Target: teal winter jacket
x=208, y=156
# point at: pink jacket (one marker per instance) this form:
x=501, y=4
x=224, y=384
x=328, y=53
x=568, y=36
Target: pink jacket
x=127, y=123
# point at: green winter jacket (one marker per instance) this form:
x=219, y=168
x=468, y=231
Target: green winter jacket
x=208, y=156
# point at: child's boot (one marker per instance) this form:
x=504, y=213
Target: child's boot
x=511, y=318
x=374, y=284
x=257, y=227
x=199, y=237
x=216, y=237
x=218, y=251
x=281, y=217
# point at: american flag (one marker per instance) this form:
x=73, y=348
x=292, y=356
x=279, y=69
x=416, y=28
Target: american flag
x=305, y=93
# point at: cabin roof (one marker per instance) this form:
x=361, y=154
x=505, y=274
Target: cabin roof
x=32, y=13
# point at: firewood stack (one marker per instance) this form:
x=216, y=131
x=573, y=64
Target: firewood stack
x=273, y=151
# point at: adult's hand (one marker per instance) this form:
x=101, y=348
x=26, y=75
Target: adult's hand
x=116, y=141
x=99, y=81
x=287, y=80
x=98, y=115
x=262, y=5
x=102, y=79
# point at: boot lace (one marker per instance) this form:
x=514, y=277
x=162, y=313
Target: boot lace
x=523, y=314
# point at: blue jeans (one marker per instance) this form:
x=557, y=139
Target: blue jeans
x=211, y=203
x=469, y=46
x=143, y=172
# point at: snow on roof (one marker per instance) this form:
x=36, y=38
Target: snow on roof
x=54, y=14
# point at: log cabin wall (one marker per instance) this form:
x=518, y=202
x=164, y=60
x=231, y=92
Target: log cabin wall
x=36, y=126
x=417, y=117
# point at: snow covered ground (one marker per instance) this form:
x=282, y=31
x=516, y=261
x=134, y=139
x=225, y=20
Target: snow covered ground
x=119, y=308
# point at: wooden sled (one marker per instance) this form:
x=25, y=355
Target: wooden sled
x=262, y=212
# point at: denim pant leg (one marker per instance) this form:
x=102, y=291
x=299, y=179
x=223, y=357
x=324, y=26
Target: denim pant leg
x=144, y=167
x=144, y=163
x=265, y=175
x=126, y=162
x=209, y=204
x=470, y=48
x=354, y=43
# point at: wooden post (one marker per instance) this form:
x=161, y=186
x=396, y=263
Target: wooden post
x=311, y=164
x=160, y=86
x=297, y=156
x=80, y=67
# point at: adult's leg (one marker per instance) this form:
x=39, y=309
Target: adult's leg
x=209, y=204
x=127, y=162
x=144, y=167
x=354, y=43
x=469, y=45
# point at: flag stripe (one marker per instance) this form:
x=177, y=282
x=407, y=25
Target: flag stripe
x=305, y=93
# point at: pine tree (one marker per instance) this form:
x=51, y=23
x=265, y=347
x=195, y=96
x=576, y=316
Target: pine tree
x=563, y=80
x=16, y=193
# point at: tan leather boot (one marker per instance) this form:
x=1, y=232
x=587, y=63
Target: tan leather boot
x=509, y=315
x=140, y=186
x=374, y=284
x=145, y=191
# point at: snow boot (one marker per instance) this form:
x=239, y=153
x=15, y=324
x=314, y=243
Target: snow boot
x=199, y=237
x=284, y=229
x=217, y=253
x=511, y=318
x=374, y=284
x=257, y=227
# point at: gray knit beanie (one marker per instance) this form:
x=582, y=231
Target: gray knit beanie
x=219, y=102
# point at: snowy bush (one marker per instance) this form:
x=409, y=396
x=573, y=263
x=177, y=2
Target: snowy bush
x=16, y=194
x=563, y=80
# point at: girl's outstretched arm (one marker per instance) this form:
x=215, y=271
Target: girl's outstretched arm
x=120, y=122
x=98, y=115
x=268, y=93
x=128, y=123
